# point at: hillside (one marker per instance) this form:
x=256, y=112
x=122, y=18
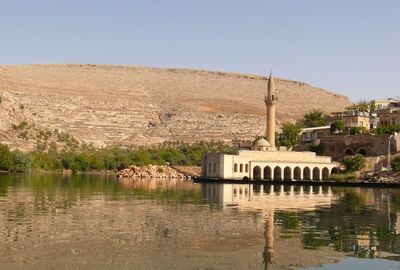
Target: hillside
x=125, y=106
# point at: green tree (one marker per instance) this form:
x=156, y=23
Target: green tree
x=386, y=129
x=372, y=106
x=357, y=130
x=363, y=106
x=5, y=158
x=337, y=126
x=354, y=163
x=21, y=162
x=315, y=118
x=290, y=135
x=396, y=163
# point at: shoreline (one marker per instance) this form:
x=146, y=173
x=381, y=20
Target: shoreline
x=299, y=183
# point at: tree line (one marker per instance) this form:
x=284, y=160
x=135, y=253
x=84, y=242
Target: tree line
x=176, y=153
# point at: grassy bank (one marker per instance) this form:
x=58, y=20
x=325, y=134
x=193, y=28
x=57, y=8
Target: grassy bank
x=110, y=159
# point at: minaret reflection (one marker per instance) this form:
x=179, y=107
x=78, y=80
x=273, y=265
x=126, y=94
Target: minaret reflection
x=268, y=253
x=266, y=199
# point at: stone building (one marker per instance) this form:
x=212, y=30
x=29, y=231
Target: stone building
x=314, y=134
x=389, y=116
x=386, y=103
x=365, y=144
x=264, y=161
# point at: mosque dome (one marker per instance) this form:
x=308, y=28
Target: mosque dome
x=261, y=143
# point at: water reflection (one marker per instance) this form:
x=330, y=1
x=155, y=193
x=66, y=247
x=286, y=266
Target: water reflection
x=92, y=222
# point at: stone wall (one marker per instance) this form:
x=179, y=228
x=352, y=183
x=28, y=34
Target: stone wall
x=368, y=145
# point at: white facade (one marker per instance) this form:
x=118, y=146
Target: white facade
x=268, y=165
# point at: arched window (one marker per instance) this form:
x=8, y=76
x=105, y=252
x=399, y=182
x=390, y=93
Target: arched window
x=246, y=168
x=349, y=152
x=235, y=167
x=241, y=167
x=209, y=167
x=362, y=152
x=215, y=167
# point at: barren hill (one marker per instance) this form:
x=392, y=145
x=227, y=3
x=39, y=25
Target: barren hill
x=124, y=105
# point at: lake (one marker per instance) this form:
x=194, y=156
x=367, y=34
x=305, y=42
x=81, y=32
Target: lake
x=51, y=221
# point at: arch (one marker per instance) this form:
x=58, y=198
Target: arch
x=297, y=173
x=235, y=167
x=325, y=173
x=277, y=173
x=257, y=173
x=307, y=173
x=268, y=173
x=241, y=168
x=348, y=152
x=334, y=170
x=362, y=152
x=316, y=174
x=287, y=174
x=246, y=168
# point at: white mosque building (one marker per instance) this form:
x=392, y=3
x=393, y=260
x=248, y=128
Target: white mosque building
x=264, y=161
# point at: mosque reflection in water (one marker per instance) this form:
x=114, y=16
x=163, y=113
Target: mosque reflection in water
x=357, y=222
x=145, y=223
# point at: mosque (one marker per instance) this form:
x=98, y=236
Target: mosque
x=265, y=161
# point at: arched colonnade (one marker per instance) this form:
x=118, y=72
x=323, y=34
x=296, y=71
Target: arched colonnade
x=288, y=173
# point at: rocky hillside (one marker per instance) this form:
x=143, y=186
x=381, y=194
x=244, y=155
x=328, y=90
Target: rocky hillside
x=124, y=105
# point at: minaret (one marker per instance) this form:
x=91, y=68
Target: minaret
x=270, y=102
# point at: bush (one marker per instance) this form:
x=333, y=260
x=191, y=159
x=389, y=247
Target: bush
x=354, y=163
x=338, y=126
x=357, y=130
x=386, y=129
x=5, y=158
x=342, y=177
x=316, y=148
x=396, y=164
x=21, y=162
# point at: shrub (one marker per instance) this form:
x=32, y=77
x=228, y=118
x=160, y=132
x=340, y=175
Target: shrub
x=316, y=148
x=386, y=129
x=337, y=126
x=5, y=158
x=342, y=177
x=21, y=162
x=357, y=130
x=354, y=163
x=396, y=164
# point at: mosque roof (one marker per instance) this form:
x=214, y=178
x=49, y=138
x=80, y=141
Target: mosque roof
x=262, y=142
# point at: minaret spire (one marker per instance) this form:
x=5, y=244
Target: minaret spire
x=270, y=102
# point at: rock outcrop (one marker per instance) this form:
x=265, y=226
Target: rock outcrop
x=132, y=106
x=154, y=171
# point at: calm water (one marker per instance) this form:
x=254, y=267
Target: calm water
x=97, y=222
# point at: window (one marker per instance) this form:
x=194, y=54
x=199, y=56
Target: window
x=247, y=168
x=209, y=167
x=215, y=167
x=241, y=167
x=235, y=167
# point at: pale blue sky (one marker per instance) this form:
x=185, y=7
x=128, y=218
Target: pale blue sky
x=347, y=46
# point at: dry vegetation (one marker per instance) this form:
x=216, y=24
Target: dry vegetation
x=124, y=106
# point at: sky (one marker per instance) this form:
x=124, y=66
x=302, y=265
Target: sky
x=348, y=47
